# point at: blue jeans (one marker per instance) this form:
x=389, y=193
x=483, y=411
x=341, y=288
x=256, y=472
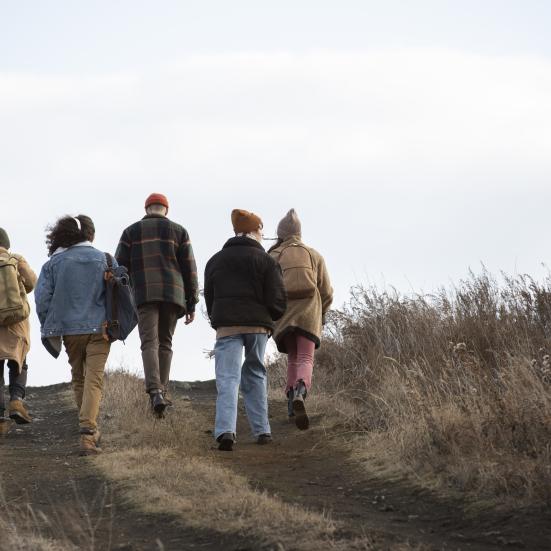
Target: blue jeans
x=231, y=373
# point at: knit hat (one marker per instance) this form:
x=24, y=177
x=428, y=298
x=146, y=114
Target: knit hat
x=244, y=221
x=289, y=225
x=156, y=199
x=4, y=239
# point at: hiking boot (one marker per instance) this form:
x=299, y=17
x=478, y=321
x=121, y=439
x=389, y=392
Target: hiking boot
x=299, y=408
x=290, y=411
x=88, y=444
x=264, y=439
x=17, y=412
x=226, y=441
x=158, y=402
x=4, y=427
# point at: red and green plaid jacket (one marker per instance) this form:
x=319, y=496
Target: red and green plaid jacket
x=158, y=255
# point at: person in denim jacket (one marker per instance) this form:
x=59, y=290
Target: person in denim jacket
x=70, y=303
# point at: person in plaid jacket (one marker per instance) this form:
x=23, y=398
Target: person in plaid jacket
x=158, y=255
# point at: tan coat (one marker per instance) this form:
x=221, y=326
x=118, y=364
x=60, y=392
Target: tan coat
x=15, y=340
x=304, y=316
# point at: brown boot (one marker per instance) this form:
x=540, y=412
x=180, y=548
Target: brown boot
x=4, y=427
x=88, y=445
x=17, y=412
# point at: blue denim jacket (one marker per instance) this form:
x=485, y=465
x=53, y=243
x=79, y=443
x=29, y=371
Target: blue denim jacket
x=70, y=293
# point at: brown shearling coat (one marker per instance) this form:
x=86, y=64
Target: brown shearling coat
x=15, y=340
x=304, y=316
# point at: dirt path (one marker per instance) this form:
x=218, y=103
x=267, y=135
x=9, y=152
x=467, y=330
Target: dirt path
x=48, y=488
x=40, y=469
x=310, y=468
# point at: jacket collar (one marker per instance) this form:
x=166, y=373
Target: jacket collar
x=60, y=250
x=242, y=241
x=147, y=216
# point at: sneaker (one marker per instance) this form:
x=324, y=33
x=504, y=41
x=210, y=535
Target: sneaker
x=158, y=403
x=299, y=408
x=88, y=444
x=226, y=442
x=17, y=412
x=4, y=427
x=264, y=439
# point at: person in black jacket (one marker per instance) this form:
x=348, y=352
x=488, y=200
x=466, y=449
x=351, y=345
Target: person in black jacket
x=244, y=294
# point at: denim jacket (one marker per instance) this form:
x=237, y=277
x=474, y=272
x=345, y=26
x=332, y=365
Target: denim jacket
x=70, y=293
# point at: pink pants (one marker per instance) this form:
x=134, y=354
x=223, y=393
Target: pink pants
x=300, y=360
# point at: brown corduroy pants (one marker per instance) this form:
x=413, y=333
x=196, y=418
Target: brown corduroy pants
x=87, y=356
x=156, y=324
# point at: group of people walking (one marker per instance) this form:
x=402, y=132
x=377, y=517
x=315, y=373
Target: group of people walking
x=250, y=295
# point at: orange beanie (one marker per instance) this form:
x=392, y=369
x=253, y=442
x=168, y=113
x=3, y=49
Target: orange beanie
x=156, y=199
x=244, y=221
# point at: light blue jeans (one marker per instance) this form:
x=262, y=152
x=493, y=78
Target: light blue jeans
x=231, y=373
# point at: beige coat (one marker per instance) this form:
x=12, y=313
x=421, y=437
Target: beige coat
x=15, y=340
x=304, y=316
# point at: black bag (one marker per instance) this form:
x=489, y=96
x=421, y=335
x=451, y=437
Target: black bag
x=122, y=315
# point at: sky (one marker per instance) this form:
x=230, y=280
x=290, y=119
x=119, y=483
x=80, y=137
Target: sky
x=412, y=138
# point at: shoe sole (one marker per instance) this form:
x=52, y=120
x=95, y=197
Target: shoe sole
x=226, y=445
x=301, y=418
x=19, y=419
x=159, y=410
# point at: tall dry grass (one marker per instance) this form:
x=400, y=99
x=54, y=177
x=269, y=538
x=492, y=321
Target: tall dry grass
x=454, y=386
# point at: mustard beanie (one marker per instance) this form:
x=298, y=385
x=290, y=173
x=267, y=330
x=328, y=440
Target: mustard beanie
x=289, y=225
x=244, y=221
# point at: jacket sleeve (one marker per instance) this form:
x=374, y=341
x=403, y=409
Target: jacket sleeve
x=122, y=254
x=209, y=288
x=275, y=296
x=27, y=274
x=324, y=287
x=188, y=268
x=44, y=292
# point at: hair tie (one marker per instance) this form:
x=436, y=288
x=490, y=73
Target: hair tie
x=78, y=223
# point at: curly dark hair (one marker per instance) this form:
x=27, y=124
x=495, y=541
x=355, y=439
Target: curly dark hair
x=65, y=232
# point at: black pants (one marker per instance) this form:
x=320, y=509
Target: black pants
x=18, y=383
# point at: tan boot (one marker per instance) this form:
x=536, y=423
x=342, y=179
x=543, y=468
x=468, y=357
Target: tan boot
x=4, y=427
x=17, y=412
x=88, y=445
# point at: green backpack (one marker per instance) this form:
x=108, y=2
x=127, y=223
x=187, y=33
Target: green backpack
x=14, y=306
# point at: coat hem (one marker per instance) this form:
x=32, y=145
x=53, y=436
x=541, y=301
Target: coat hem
x=280, y=338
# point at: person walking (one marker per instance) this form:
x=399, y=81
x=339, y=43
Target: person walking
x=17, y=279
x=310, y=295
x=71, y=306
x=159, y=257
x=244, y=295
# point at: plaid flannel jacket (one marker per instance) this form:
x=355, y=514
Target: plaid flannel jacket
x=158, y=255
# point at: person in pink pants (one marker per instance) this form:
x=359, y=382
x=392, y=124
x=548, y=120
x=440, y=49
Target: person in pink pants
x=309, y=297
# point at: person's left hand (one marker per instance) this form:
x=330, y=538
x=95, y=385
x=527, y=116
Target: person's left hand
x=189, y=318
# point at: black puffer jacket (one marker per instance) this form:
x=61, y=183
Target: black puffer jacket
x=244, y=286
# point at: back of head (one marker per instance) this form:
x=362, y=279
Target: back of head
x=289, y=226
x=156, y=203
x=4, y=239
x=69, y=231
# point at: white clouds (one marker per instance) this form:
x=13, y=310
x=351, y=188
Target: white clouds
x=367, y=112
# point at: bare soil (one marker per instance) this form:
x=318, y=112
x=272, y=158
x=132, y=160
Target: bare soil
x=41, y=472
x=315, y=469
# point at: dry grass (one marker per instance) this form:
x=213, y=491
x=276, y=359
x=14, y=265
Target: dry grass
x=454, y=387
x=167, y=467
x=21, y=530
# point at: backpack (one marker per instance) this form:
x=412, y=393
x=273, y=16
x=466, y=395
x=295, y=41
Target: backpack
x=14, y=306
x=299, y=275
x=120, y=309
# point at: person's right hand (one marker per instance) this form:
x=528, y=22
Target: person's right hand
x=189, y=318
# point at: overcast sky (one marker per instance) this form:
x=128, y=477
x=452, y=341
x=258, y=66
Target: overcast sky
x=413, y=138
